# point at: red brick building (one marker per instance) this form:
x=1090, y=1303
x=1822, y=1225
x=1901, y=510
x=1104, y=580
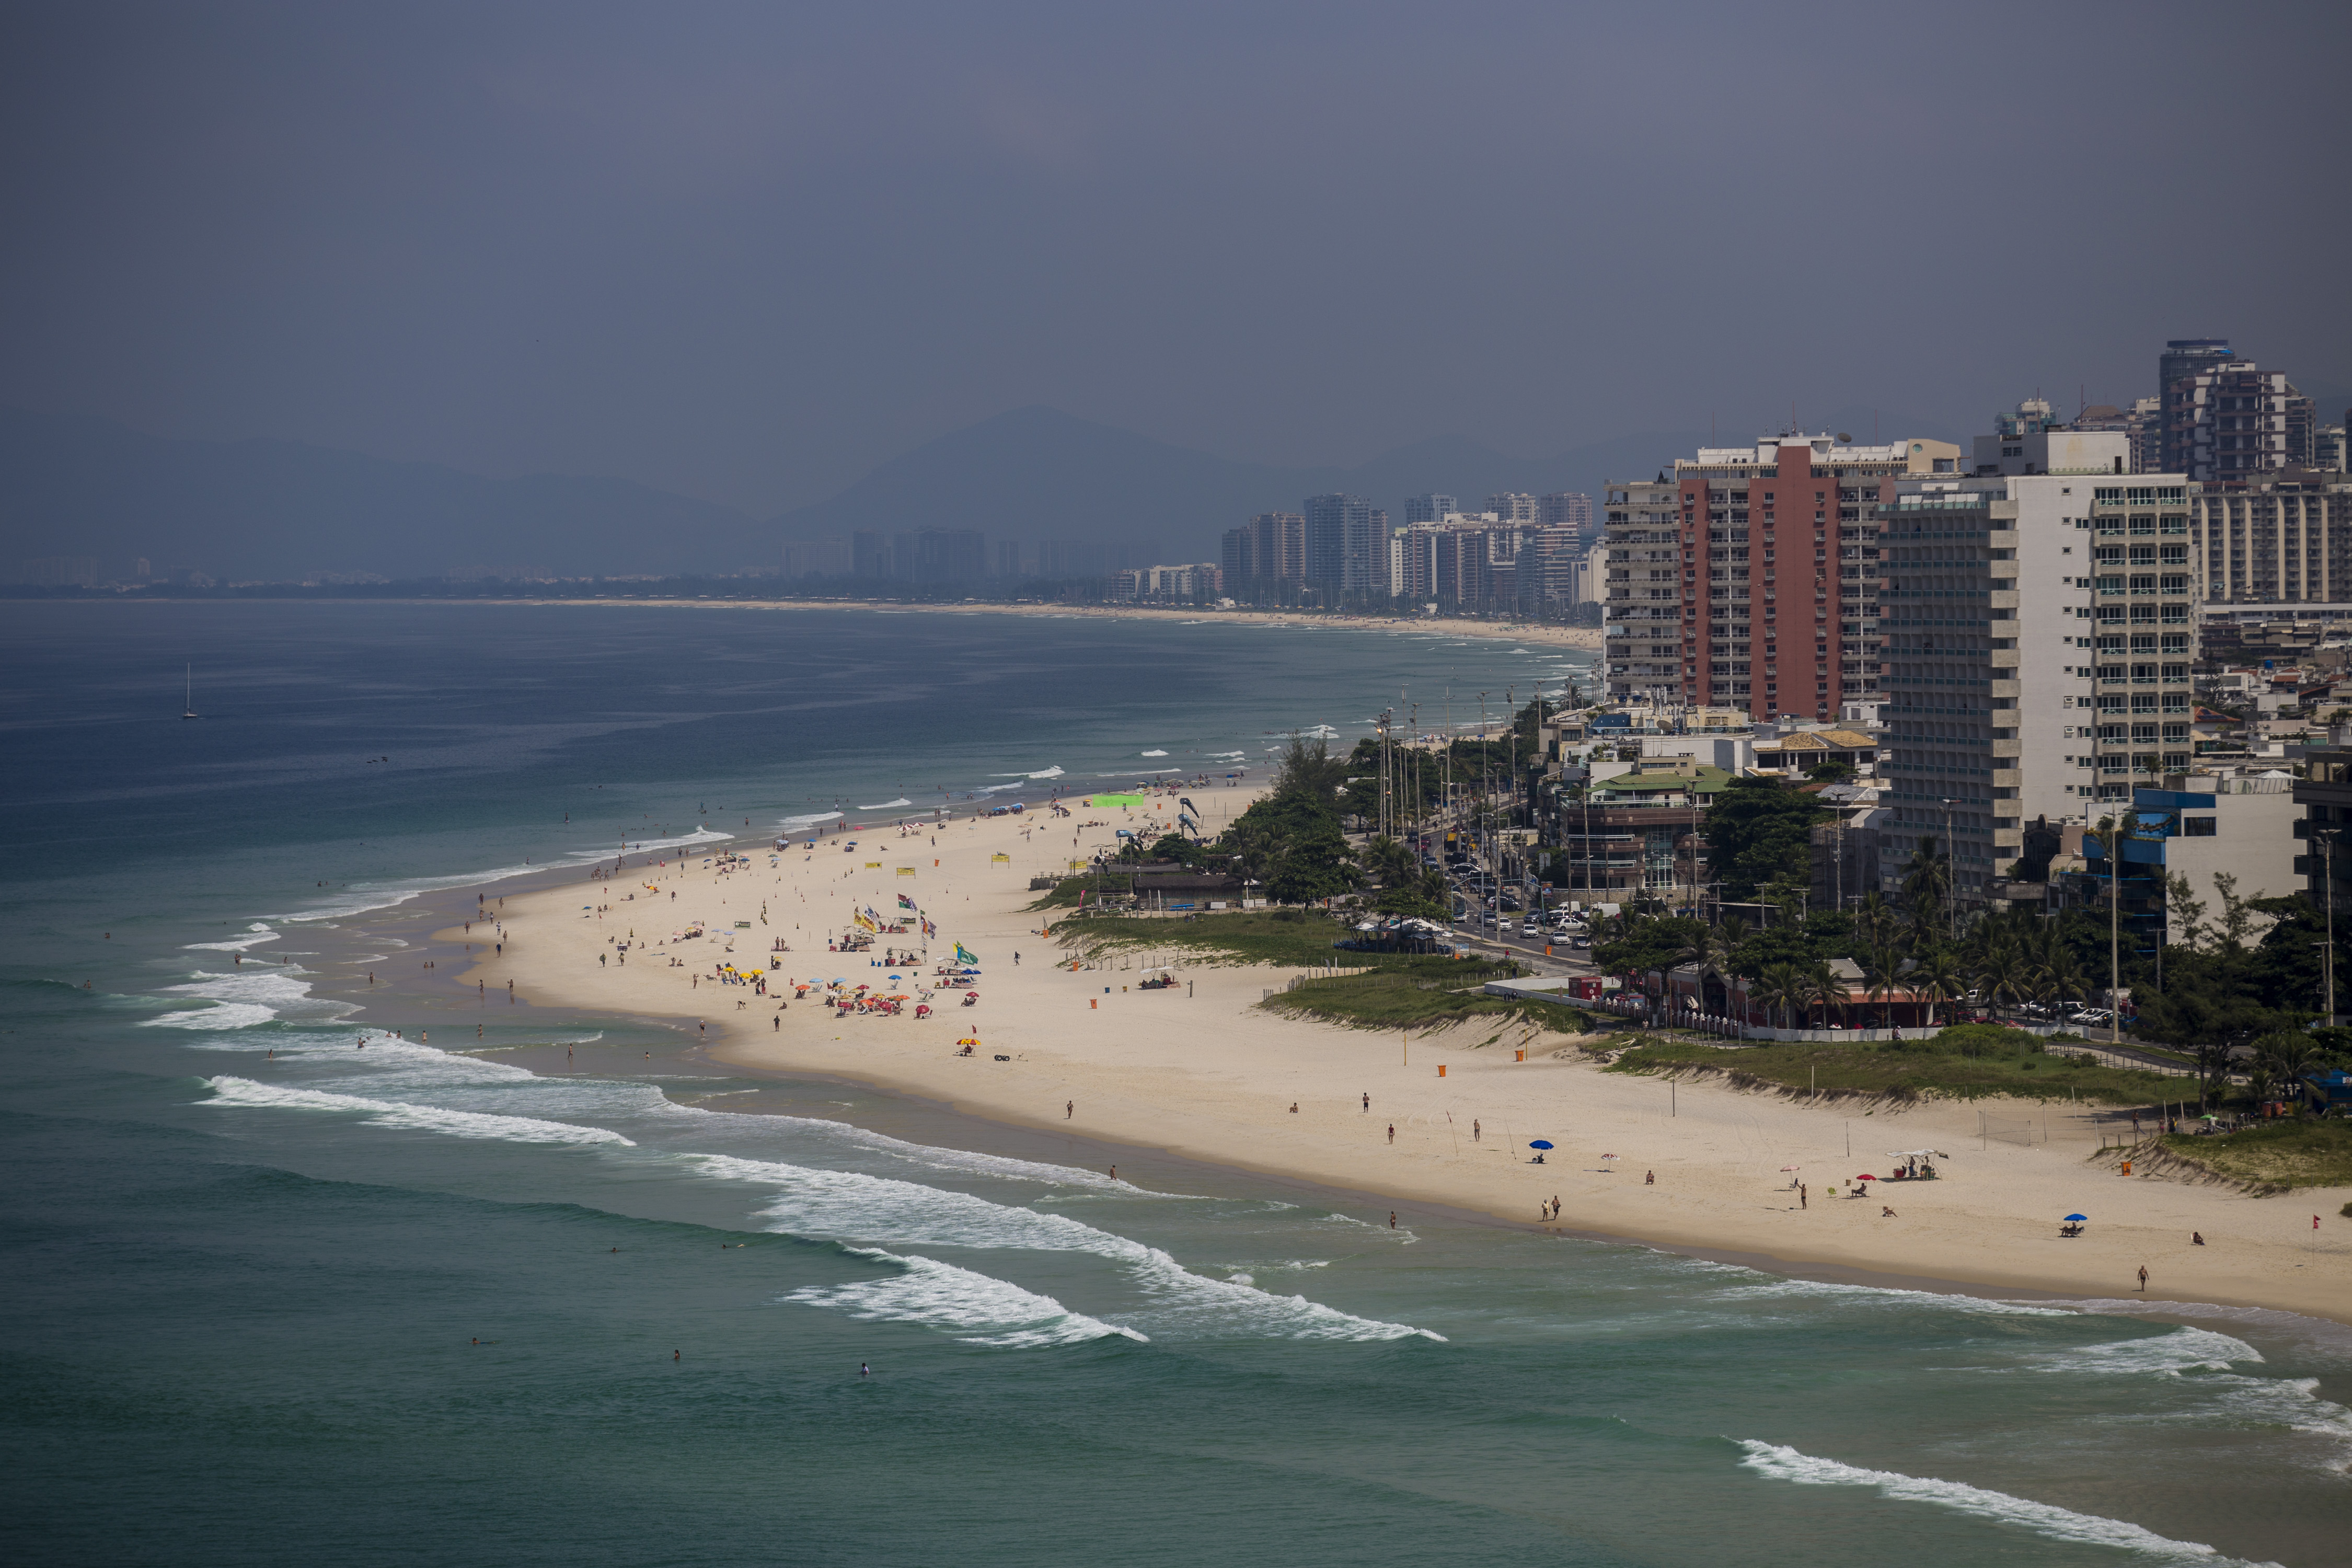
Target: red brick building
x=1749, y=578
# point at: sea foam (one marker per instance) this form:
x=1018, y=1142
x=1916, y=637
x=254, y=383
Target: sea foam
x=1779, y=1463
x=972, y=1307
x=243, y=1092
x=848, y=1206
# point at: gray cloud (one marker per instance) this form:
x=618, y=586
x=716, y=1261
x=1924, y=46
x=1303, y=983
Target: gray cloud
x=746, y=252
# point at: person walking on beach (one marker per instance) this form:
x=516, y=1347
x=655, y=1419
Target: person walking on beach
x=1069, y=1109
x=1474, y=1129
x=2142, y=1276
x=1367, y=1099
x=1391, y=1131
x=1800, y=1195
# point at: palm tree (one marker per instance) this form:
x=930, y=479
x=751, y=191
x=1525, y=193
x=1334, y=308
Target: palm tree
x=1780, y=988
x=1874, y=919
x=1724, y=937
x=1386, y=858
x=1823, y=988
x=1937, y=978
x=1925, y=882
x=1881, y=966
x=2002, y=972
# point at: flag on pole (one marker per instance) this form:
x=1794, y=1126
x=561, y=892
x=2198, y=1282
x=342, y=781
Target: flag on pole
x=905, y=902
x=965, y=954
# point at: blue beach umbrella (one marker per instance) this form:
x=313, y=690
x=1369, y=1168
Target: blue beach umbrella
x=1540, y=1143
x=2076, y=1218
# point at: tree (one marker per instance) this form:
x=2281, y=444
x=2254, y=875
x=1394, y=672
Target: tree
x=1937, y=978
x=2183, y=913
x=1647, y=943
x=1926, y=882
x=1875, y=920
x=1824, y=988
x=1759, y=831
x=1782, y=988
x=1388, y=860
x=1309, y=768
x=1882, y=968
x=2237, y=917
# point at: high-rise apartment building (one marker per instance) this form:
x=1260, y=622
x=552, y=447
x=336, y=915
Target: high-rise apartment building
x=2039, y=632
x=1428, y=509
x=1512, y=508
x=2234, y=421
x=2033, y=441
x=2284, y=538
x=1271, y=547
x=1567, y=508
x=2142, y=425
x=1347, y=555
x=818, y=558
x=1750, y=578
x=2184, y=357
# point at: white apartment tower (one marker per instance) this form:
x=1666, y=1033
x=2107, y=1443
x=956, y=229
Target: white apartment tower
x=2039, y=633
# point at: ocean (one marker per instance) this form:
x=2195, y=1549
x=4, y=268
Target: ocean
x=567, y=1293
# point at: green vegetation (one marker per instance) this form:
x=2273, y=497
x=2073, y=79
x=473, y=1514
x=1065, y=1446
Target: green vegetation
x=1419, y=993
x=1295, y=938
x=1967, y=1062
x=1758, y=836
x=2278, y=1153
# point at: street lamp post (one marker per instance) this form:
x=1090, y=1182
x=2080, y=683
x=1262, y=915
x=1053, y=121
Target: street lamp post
x=1951, y=871
x=2326, y=841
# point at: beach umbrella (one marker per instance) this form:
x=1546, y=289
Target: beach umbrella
x=1866, y=1178
x=1540, y=1143
x=2076, y=1218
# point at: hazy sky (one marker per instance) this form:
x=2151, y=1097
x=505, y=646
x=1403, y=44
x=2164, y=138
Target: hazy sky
x=747, y=251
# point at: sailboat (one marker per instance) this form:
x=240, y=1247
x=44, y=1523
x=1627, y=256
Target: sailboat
x=191, y=702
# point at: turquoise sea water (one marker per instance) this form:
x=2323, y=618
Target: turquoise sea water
x=248, y=1265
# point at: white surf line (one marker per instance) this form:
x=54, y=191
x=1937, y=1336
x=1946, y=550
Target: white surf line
x=245, y=1092
x=1777, y=1462
x=976, y=1308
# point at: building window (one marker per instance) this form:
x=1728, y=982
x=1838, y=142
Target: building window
x=2198, y=827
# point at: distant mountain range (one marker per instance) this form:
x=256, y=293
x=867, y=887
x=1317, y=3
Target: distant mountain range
x=77, y=489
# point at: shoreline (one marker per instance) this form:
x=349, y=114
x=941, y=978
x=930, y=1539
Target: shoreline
x=1205, y=1078
x=1587, y=638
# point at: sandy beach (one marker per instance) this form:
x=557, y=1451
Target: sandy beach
x=1586, y=637
x=1200, y=1071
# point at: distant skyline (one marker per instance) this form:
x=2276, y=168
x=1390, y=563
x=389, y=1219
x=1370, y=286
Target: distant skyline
x=747, y=254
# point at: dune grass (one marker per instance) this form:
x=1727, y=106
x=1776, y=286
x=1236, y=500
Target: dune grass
x=1291, y=937
x=2280, y=1154
x=1417, y=994
x=1967, y=1062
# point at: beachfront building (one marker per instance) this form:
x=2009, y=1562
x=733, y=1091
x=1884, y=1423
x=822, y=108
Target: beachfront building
x=1750, y=577
x=1628, y=830
x=2226, y=418
x=2033, y=441
x=1192, y=584
x=2283, y=538
x=2039, y=642
x=2243, y=825
x=1266, y=558
x=1570, y=509
x=2325, y=855
x=1346, y=548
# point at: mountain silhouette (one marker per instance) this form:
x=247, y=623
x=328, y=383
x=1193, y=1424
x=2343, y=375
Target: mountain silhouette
x=78, y=487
